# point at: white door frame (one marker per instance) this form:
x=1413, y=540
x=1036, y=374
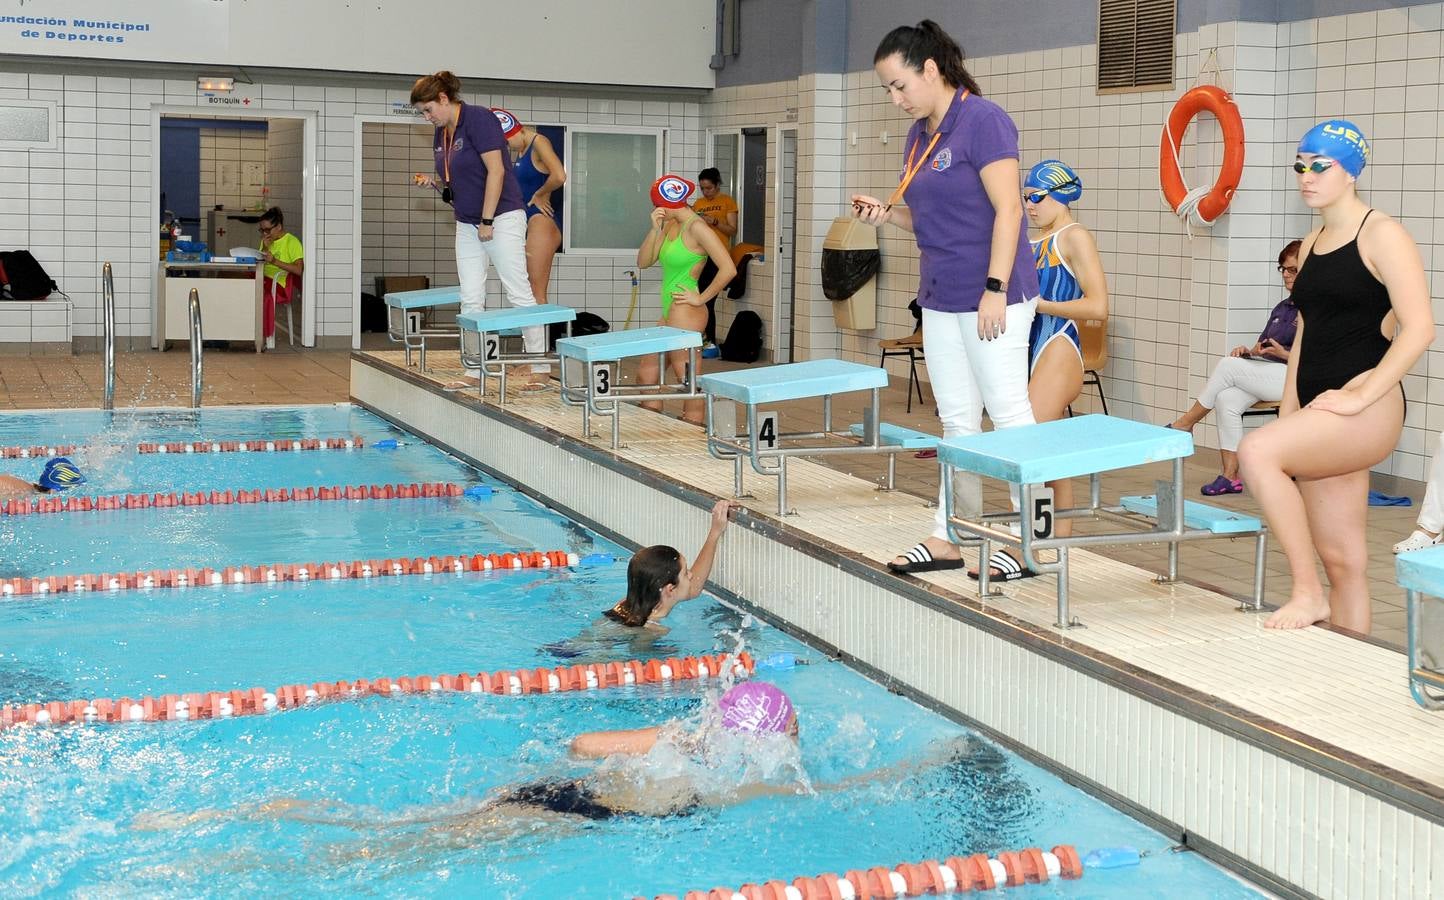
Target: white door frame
x=777, y=207
x=309, y=119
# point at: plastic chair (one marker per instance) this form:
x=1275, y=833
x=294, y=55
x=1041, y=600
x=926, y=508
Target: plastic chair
x=911, y=347
x=1094, y=335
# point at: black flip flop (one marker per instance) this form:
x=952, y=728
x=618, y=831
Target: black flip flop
x=921, y=559
x=1010, y=568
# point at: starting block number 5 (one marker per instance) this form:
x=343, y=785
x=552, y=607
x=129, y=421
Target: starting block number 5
x=1042, y=524
x=490, y=347
x=767, y=431
x=601, y=380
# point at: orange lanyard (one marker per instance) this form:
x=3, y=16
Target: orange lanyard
x=450, y=147
x=910, y=170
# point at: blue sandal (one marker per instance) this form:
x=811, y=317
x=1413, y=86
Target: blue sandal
x=1221, y=485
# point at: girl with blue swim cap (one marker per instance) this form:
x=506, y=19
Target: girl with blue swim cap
x=1364, y=319
x=1072, y=289
x=59, y=474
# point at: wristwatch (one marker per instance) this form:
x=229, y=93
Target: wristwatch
x=486, y=221
x=995, y=286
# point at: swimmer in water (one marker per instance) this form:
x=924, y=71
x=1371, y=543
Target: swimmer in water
x=59, y=474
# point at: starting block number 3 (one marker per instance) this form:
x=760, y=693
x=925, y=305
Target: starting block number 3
x=767, y=431
x=601, y=380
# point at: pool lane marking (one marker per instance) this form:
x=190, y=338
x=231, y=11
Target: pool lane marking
x=258, y=700
x=265, y=445
x=275, y=573
x=956, y=874
x=53, y=504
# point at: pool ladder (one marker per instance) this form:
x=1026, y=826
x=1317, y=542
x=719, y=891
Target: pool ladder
x=197, y=364
x=107, y=292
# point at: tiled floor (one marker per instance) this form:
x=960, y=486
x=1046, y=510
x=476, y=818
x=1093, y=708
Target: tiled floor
x=312, y=376
x=1346, y=696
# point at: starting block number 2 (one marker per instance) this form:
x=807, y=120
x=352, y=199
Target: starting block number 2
x=491, y=347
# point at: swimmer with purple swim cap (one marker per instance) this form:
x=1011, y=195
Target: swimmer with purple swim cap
x=752, y=707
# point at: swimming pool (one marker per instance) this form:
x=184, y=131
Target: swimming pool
x=401, y=782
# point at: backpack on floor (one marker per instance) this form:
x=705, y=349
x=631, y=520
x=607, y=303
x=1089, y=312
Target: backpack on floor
x=586, y=323
x=22, y=278
x=744, y=338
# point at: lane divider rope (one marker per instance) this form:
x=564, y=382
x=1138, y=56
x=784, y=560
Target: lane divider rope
x=42, y=505
x=258, y=700
x=955, y=875
x=273, y=445
x=313, y=571
x=37, y=452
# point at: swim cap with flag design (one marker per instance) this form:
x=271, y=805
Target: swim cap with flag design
x=1339, y=140
x=672, y=191
x=60, y=474
x=756, y=706
x=509, y=124
x=1057, y=178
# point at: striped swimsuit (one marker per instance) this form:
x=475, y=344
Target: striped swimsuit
x=1056, y=282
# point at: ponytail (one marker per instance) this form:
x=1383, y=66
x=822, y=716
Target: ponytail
x=927, y=41
x=429, y=87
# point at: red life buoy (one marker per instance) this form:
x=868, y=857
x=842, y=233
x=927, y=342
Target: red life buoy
x=1203, y=208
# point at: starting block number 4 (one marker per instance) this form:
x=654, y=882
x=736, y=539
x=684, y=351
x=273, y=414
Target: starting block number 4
x=1042, y=513
x=767, y=431
x=601, y=380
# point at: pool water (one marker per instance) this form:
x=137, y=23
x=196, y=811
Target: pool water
x=389, y=796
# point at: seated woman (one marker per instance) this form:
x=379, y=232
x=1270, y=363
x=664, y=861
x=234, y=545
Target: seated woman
x=681, y=242
x=285, y=262
x=59, y=474
x=1246, y=376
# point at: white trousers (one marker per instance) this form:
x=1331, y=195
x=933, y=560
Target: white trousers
x=507, y=251
x=1235, y=385
x=1431, y=511
x=968, y=375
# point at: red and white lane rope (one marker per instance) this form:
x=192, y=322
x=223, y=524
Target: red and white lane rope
x=259, y=700
x=52, y=504
x=37, y=452
x=305, y=571
x=263, y=445
x=955, y=875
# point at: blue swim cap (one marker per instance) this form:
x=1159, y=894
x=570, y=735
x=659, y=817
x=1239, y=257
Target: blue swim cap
x=1339, y=140
x=1055, y=177
x=60, y=474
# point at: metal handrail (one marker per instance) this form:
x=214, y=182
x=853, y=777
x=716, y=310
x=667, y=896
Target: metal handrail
x=196, y=363
x=107, y=293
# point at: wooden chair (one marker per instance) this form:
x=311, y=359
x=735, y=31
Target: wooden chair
x=1263, y=408
x=911, y=347
x=1094, y=335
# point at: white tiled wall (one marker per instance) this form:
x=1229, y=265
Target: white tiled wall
x=1178, y=302
x=404, y=231
x=285, y=158
x=233, y=168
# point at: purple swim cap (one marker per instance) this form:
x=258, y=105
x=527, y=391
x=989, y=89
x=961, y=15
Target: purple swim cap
x=756, y=706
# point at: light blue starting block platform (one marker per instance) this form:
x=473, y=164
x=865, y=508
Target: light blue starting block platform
x=1030, y=456
x=481, y=344
x=767, y=447
x=590, y=367
x=409, y=318
x=1421, y=575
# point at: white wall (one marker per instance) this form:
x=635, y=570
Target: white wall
x=285, y=159
x=229, y=160
x=1178, y=303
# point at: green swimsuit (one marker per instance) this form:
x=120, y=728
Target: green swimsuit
x=677, y=263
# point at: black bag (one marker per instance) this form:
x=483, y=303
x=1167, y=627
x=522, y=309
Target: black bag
x=22, y=278
x=744, y=338
x=844, y=271
x=373, y=313
x=586, y=323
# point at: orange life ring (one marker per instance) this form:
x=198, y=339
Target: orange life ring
x=1213, y=204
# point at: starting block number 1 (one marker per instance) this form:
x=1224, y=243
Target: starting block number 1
x=767, y=431
x=601, y=380
x=1042, y=524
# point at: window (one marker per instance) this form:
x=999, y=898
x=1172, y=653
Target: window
x=1135, y=44
x=741, y=157
x=610, y=183
x=27, y=125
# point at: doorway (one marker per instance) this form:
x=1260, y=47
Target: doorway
x=784, y=283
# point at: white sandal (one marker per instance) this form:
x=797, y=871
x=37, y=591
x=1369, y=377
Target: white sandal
x=1416, y=541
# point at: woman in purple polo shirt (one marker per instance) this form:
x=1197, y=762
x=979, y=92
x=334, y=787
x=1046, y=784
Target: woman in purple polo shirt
x=1246, y=376
x=476, y=178
x=977, y=285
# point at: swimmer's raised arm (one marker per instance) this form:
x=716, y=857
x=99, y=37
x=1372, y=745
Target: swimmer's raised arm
x=702, y=565
x=597, y=744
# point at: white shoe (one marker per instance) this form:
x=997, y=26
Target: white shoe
x=271, y=342
x=1416, y=541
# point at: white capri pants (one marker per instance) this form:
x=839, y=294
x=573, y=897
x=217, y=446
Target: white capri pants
x=1431, y=511
x=1235, y=385
x=969, y=374
x=507, y=251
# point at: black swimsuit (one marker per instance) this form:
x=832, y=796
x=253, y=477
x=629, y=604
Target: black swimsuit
x=1343, y=306
x=574, y=798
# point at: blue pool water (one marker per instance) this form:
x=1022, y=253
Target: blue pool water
x=390, y=796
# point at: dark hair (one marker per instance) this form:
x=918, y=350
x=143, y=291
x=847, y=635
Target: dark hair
x=927, y=41
x=428, y=87
x=651, y=569
x=273, y=215
x=712, y=174
x=1290, y=249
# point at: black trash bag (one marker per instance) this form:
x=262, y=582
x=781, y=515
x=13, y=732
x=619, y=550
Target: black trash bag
x=373, y=313
x=844, y=271
x=586, y=323
x=744, y=339
x=23, y=278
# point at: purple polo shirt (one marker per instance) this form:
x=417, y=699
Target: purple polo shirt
x=952, y=215
x=1283, y=324
x=477, y=131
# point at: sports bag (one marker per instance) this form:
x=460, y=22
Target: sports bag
x=22, y=278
